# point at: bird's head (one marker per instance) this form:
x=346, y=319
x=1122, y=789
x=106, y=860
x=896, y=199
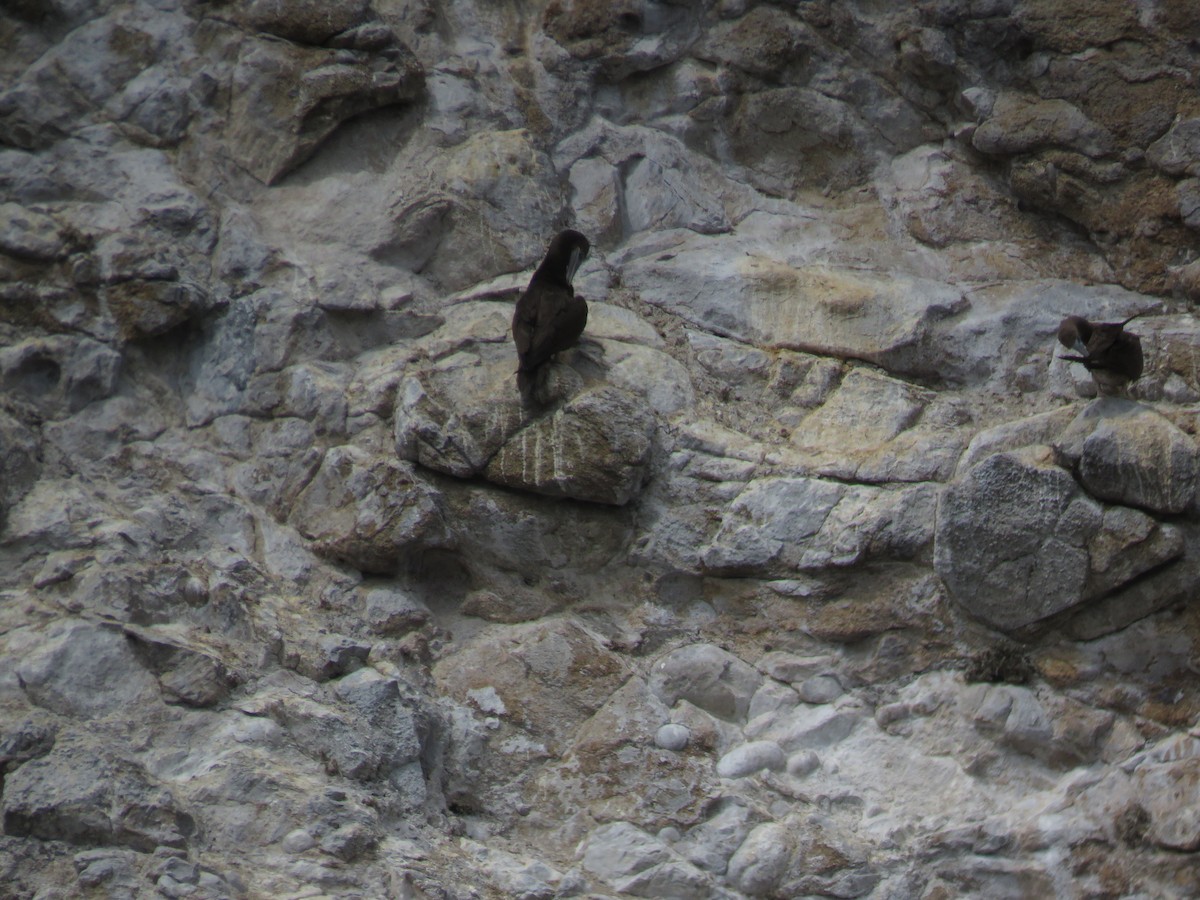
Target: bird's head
x=567, y=252
x=1074, y=333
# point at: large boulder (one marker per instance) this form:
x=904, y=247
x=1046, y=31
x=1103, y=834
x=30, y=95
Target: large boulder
x=1129, y=453
x=75, y=795
x=86, y=671
x=312, y=91
x=464, y=417
x=1018, y=540
x=368, y=511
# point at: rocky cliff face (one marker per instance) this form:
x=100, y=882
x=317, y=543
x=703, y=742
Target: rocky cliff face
x=820, y=574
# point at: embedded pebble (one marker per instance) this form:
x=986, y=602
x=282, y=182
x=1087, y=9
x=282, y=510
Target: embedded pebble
x=672, y=736
x=750, y=758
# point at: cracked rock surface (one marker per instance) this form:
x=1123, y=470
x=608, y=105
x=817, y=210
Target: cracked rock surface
x=813, y=572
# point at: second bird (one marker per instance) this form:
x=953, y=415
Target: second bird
x=1111, y=354
x=549, y=317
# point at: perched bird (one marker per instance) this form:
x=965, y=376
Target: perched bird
x=549, y=317
x=1112, y=355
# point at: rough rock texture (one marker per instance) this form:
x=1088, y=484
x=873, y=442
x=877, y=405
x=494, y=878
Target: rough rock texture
x=812, y=571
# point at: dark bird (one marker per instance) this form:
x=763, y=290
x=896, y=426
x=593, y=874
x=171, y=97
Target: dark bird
x=1112, y=355
x=549, y=317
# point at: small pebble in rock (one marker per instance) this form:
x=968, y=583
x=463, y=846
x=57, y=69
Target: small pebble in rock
x=670, y=834
x=820, y=689
x=892, y=712
x=298, y=841
x=672, y=737
x=802, y=763
x=750, y=758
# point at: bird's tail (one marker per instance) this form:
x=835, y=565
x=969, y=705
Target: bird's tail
x=526, y=380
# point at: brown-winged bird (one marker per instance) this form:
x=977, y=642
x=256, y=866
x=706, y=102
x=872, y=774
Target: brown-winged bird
x=1111, y=354
x=549, y=317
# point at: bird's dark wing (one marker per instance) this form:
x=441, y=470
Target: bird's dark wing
x=562, y=318
x=525, y=317
x=1103, y=337
x=1126, y=356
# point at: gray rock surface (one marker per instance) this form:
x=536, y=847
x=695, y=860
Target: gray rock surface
x=811, y=571
x=1019, y=540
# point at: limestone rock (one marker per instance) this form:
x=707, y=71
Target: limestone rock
x=711, y=678
x=271, y=132
x=59, y=798
x=1137, y=457
x=779, y=525
x=762, y=300
x=367, y=511
x=1169, y=793
x=86, y=671
x=1177, y=150
x=760, y=862
x=1018, y=540
x=19, y=461
x=750, y=758
x=636, y=863
x=393, y=612
x=870, y=430
x=252, y=252
x=29, y=234
x=59, y=374
x=595, y=446
x=1019, y=124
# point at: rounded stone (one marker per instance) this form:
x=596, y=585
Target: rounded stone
x=750, y=758
x=820, y=689
x=672, y=736
x=802, y=763
x=298, y=841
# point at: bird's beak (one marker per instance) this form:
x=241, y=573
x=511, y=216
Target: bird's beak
x=577, y=258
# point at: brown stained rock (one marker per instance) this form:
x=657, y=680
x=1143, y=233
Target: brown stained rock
x=187, y=675
x=368, y=511
x=796, y=137
x=304, y=21
x=144, y=309
x=616, y=745
x=507, y=606
x=1071, y=26
x=620, y=38
x=1019, y=124
x=848, y=621
x=766, y=42
x=287, y=99
x=549, y=676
